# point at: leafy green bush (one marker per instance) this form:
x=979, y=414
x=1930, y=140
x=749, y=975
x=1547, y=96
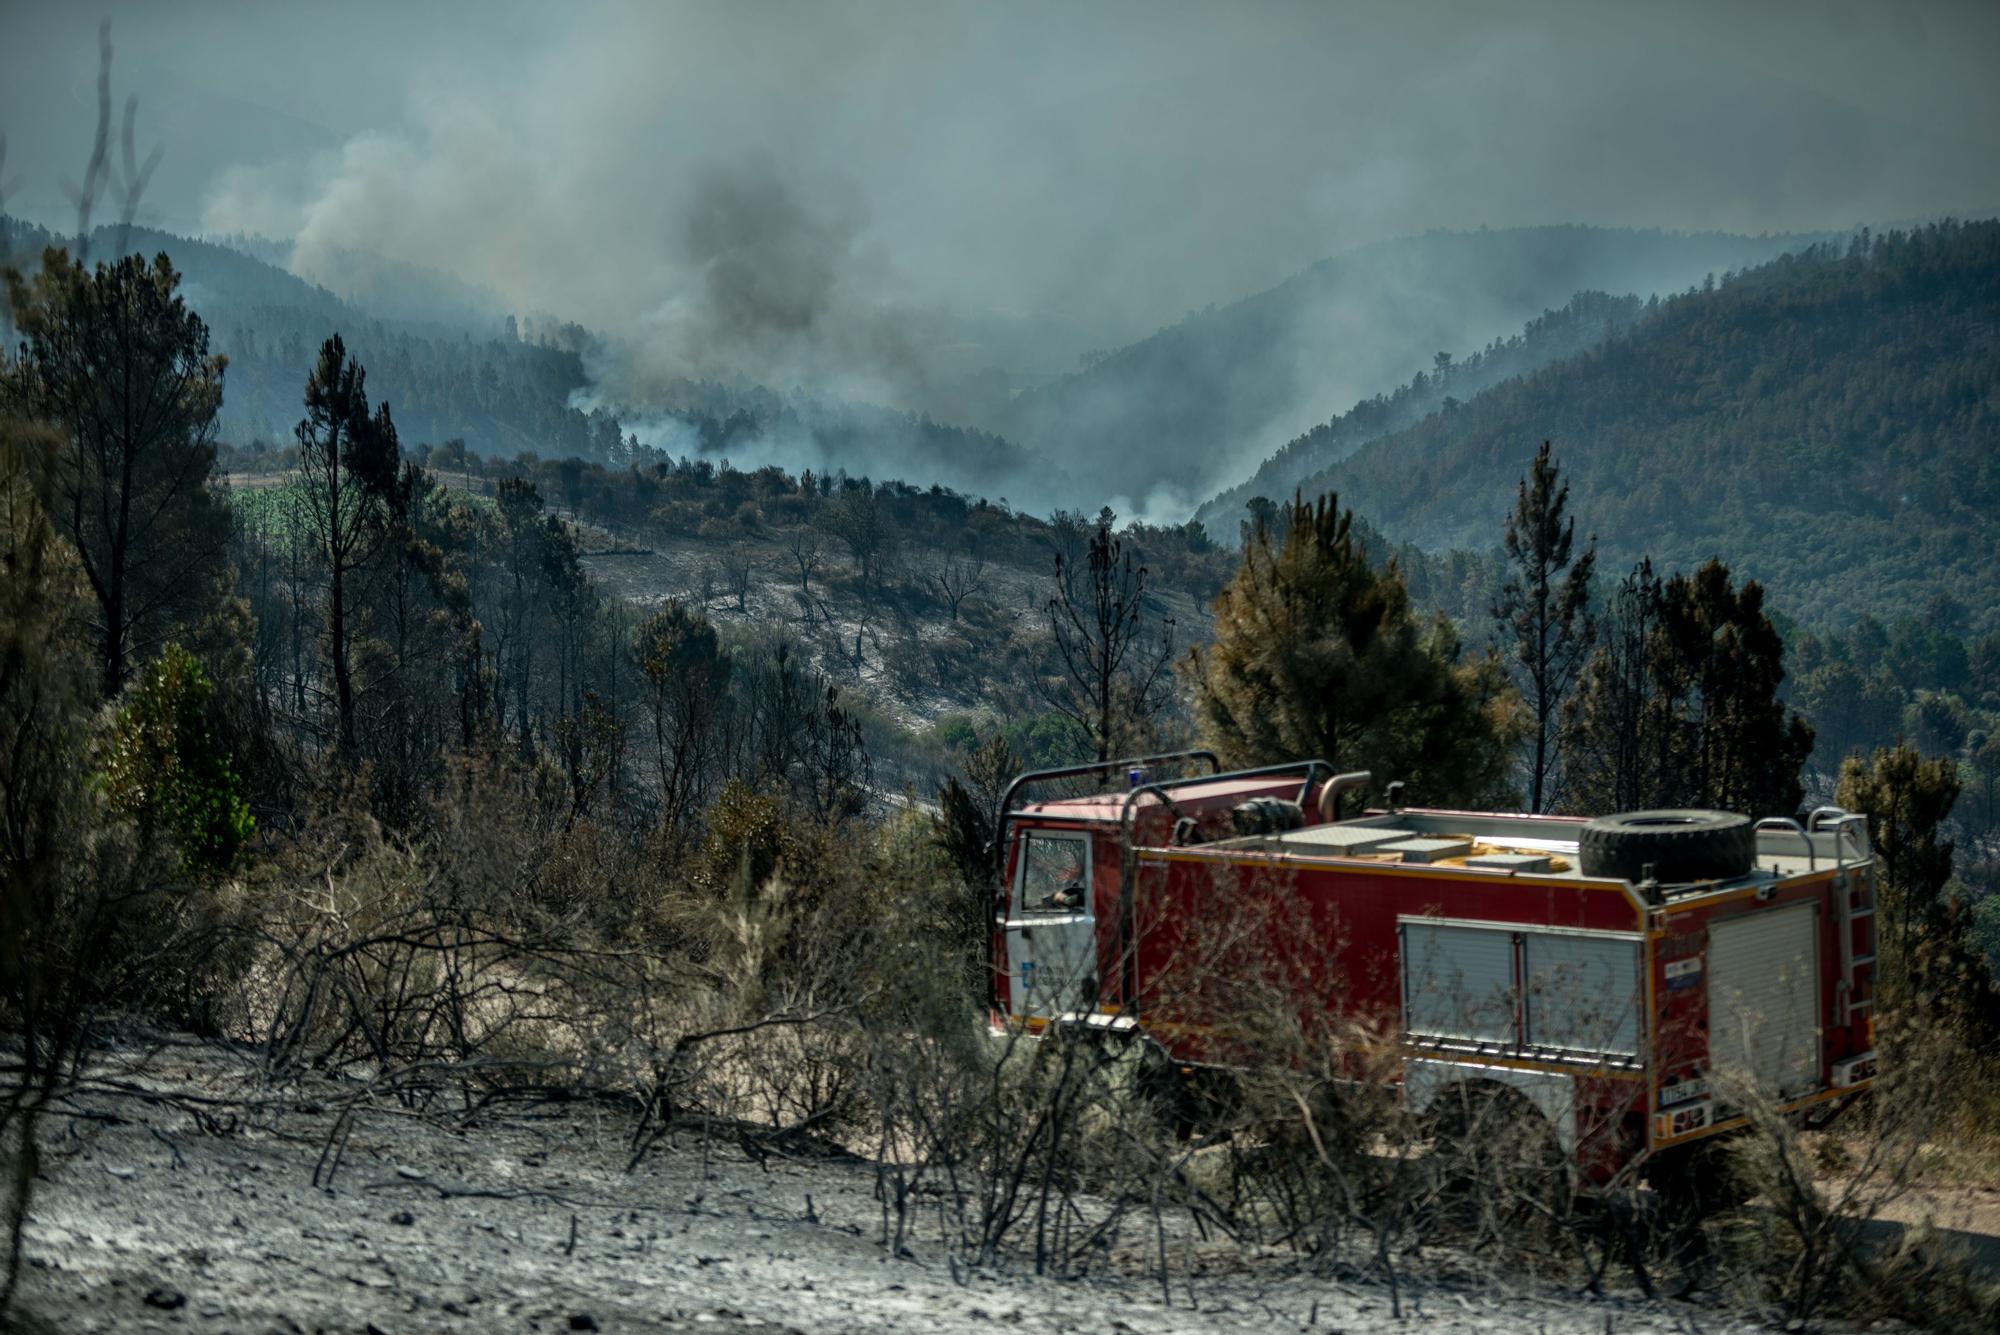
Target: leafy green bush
x=164, y=770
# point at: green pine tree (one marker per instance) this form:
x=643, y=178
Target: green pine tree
x=1317, y=653
x=1679, y=707
x=115, y=362
x=1907, y=798
x=1544, y=608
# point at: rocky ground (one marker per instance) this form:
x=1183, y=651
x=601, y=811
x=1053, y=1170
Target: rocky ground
x=827, y=625
x=159, y=1213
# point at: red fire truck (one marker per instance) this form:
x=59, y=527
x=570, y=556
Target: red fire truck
x=1625, y=977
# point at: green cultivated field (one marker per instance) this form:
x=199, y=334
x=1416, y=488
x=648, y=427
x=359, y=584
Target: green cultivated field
x=271, y=506
x=267, y=510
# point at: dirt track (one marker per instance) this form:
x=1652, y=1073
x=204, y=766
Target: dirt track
x=146, y=1222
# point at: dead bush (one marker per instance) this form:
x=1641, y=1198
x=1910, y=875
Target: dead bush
x=1808, y=1241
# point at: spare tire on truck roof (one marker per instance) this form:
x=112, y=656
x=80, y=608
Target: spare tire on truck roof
x=1679, y=845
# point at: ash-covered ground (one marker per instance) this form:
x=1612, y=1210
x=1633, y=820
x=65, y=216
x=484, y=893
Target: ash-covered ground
x=157, y=1212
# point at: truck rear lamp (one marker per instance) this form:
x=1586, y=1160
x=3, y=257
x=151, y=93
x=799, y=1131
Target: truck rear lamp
x=1684, y=1120
x=1854, y=1071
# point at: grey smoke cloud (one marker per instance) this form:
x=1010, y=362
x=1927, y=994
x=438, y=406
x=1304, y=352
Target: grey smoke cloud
x=767, y=265
x=903, y=201
x=771, y=285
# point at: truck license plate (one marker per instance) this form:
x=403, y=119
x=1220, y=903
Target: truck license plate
x=1681, y=1091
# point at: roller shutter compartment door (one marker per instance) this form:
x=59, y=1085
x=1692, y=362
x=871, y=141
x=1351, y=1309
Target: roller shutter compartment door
x=1458, y=983
x=1763, y=998
x=1583, y=992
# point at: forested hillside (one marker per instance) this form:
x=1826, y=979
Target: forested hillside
x=1588, y=319
x=1826, y=424
x=1200, y=401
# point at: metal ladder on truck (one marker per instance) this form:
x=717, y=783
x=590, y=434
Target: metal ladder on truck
x=1854, y=907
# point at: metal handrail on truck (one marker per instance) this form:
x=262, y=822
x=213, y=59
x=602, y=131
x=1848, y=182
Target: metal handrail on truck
x=1787, y=823
x=1841, y=824
x=1093, y=767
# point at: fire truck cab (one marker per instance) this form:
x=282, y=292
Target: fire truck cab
x=1631, y=978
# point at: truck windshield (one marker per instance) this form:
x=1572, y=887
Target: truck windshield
x=1054, y=873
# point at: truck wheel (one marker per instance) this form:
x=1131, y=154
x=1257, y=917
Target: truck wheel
x=1498, y=1168
x=1698, y=1180
x=1188, y=1100
x=1680, y=846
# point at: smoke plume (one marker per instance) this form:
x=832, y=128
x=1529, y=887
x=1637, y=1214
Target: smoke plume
x=936, y=206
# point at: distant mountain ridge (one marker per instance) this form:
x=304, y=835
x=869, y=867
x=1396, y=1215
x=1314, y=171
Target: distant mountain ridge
x=445, y=380
x=504, y=390
x=1828, y=422
x=1190, y=410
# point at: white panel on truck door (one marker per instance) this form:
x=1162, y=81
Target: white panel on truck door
x=1458, y=982
x=1051, y=932
x=1053, y=962
x=1583, y=992
x=1763, y=998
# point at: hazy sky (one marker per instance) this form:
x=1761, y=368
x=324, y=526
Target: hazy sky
x=1105, y=165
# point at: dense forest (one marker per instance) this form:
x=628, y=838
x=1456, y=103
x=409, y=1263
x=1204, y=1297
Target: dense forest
x=1824, y=422
x=1921, y=677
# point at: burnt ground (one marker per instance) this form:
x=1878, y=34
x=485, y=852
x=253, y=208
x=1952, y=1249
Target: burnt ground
x=155, y=1215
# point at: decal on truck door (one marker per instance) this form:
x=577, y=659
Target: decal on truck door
x=1683, y=974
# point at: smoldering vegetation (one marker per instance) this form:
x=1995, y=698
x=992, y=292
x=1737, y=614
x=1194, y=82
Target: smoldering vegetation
x=1205, y=402
x=771, y=282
